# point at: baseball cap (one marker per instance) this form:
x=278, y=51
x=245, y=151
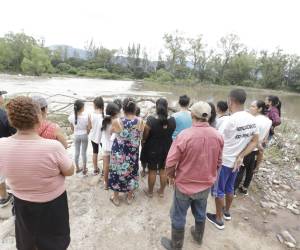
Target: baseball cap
x=3, y=92
x=41, y=101
x=201, y=110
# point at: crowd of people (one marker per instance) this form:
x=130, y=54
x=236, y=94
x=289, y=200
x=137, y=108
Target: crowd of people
x=202, y=149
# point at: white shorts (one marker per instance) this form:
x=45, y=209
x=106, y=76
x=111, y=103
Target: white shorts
x=106, y=153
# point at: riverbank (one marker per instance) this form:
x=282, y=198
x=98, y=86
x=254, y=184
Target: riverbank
x=259, y=222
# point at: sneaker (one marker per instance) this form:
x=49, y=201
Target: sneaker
x=212, y=218
x=243, y=191
x=6, y=201
x=226, y=215
x=234, y=194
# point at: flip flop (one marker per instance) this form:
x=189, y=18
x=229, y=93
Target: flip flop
x=130, y=201
x=150, y=195
x=116, y=203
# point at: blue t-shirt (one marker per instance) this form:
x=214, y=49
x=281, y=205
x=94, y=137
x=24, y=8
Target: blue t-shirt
x=183, y=120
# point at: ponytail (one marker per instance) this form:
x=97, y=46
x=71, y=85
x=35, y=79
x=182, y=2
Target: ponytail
x=78, y=105
x=261, y=104
x=162, y=111
x=112, y=110
x=129, y=105
x=278, y=106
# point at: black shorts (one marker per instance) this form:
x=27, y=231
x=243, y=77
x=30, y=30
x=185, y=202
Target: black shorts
x=42, y=225
x=152, y=166
x=95, y=147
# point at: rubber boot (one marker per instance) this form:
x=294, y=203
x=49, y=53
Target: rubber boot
x=177, y=240
x=197, y=231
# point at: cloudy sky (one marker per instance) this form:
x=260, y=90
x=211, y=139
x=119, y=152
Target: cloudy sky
x=261, y=24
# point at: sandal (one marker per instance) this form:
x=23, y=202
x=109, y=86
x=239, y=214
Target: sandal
x=84, y=171
x=96, y=171
x=150, y=195
x=78, y=170
x=130, y=200
x=115, y=202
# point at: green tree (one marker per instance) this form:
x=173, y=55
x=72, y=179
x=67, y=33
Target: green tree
x=19, y=43
x=36, y=61
x=230, y=46
x=240, y=69
x=272, y=67
x=175, y=43
x=6, y=55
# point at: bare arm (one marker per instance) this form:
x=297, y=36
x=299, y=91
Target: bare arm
x=146, y=133
x=115, y=126
x=69, y=171
x=61, y=137
x=249, y=148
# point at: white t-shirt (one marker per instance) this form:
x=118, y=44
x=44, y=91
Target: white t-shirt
x=95, y=133
x=263, y=124
x=220, y=120
x=82, y=123
x=237, y=130
x=107, y=139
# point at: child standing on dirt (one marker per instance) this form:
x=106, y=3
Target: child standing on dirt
x=95, y=135
x=111, y=113
x=80, y=125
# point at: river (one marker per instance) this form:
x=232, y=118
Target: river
x=84, y=87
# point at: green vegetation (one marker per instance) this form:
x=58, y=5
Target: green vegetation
x=184, y=60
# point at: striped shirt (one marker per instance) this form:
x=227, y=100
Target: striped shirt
x=33, y=168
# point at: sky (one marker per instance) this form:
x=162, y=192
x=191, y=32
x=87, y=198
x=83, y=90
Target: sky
x=260, y=24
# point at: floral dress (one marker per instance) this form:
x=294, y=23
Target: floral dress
x=124, y=158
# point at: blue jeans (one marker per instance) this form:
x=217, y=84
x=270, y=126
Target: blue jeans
x=181, y=204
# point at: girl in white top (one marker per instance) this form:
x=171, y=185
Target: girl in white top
x=112, y=111
x=264, y=124
x=96, y=133
x=80, y=124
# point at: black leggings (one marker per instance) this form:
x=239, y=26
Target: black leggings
x=249, y=165
x=42, y=226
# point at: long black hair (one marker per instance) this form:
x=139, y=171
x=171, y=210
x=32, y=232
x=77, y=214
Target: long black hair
x=78, y=105
x=261, y=104
x=275, y=102
x=99, y=104
x=118, y=101
x=213, y=114
x=129, y=105
x=111, y=110
x=162, y=111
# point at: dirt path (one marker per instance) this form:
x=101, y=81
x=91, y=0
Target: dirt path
x=97, y=224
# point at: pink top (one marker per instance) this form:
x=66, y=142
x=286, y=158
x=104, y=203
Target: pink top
x=47, y=130
x=196, y=154
x=33, y=168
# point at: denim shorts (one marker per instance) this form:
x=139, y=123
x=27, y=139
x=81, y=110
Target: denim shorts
x=225, y=182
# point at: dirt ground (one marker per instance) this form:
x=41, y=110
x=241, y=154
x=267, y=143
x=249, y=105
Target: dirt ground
x=97, y=224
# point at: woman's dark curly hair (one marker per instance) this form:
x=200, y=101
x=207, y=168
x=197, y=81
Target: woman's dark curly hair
x=23, y=113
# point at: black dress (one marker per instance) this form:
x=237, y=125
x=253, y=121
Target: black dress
x=158, y=143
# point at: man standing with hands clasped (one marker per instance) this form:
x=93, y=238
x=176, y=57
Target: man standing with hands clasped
x=5, y=131
x=192, y=164
x=240, y=138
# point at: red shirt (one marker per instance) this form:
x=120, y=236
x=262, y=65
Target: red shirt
x=196, y=154
x=47, y=130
